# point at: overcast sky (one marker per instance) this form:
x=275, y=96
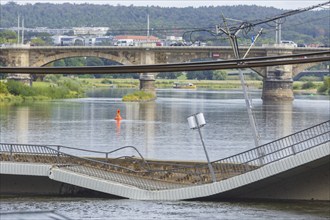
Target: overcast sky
x=282, y=4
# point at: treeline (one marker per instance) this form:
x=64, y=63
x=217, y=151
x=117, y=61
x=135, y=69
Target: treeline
x=307, y=27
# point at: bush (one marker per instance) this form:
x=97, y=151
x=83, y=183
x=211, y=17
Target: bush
x=10, y=98
x=52, y=78
x=71, y=84
x=139, y=96
x=308, y=85
x=106, y=81
x=219, y=75
x=66, y=88
x=295, y=86
x=325, y=88
x=3, y=88
x=19, y=88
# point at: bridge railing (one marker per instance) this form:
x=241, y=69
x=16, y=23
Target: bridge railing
x=133, y=172
x=273, y=151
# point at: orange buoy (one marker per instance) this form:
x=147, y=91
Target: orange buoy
x=118, y=117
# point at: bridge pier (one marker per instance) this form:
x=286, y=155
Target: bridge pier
x=277, y=85
x=277, y=90
x=147, y=83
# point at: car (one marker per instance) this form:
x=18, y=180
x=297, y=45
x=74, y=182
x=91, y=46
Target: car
x=302, y=45
x=289, y=42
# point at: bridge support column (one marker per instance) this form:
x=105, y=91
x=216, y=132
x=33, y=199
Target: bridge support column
x=147, y=83
x=20, y=58
x=277, y=90
x=277, y=85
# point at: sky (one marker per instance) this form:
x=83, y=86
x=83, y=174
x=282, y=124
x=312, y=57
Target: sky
x=281, y=4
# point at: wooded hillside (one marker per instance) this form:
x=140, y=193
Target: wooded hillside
x=307, y=27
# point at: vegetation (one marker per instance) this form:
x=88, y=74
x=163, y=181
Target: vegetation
x=8, y=37
x=54, y=88
x=307, y=27
x=325, y=87
x=139, y=96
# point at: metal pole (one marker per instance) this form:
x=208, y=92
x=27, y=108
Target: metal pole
x=249, y=107
x=23, y=31
x=233, y=41
x=18, y=29
x=247, y=52
x=205, y=151
x=279, y=31
x=148, y=25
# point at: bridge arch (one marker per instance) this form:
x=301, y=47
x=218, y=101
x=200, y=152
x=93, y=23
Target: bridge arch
x=296, y=69
x=48, y=59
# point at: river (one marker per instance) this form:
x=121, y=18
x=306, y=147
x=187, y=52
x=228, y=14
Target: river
x=159, y=130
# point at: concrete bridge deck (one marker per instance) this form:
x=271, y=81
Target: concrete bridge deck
x=293, y=167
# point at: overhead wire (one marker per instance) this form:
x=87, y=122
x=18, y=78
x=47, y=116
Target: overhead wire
x=247, y=26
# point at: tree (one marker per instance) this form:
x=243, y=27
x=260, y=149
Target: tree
x=60, y=62
x=38, y=42
x=169, y=75
x=191, y=75
x=8, y=36
x=219, y=75
x=200, y=75
x=94, y=61
x=75, y=61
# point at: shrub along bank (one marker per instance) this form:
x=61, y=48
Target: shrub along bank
x=56, y=88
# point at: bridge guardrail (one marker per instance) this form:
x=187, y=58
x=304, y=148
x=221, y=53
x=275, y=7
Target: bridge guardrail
x=136, y=174
x=275, y=150
x=160, y=175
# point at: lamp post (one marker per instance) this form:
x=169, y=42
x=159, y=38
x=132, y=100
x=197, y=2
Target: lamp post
x=197, y=121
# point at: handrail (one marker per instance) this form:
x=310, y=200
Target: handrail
x=281, y=148
x=54, y=152
x=106, y=153
x=94, y=166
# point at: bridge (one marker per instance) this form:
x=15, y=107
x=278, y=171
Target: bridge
x=293, y=167
x=277, y=79
x=316, y=73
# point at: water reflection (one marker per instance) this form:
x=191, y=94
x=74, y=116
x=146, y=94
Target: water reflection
x=276, y=119
x=140, y=124
x=22, y=125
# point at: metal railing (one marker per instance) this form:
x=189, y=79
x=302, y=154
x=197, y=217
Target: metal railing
x=273, y=151
x=153, y=175
x=126, y=170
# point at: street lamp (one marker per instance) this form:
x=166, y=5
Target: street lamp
x=197, y=121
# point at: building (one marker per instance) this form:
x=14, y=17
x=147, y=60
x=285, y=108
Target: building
x=95, y=31
x=138, y=40
x=63, y=40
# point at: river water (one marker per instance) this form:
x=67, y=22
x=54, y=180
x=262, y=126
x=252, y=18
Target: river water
x=159, y=130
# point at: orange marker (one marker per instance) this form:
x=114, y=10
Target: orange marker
x=118, y=117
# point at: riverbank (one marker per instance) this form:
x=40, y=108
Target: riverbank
x=168, y=83
x=63, y=87
x=309, y=86
x=59, y=88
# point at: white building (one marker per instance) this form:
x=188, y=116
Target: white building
x=96, y=31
